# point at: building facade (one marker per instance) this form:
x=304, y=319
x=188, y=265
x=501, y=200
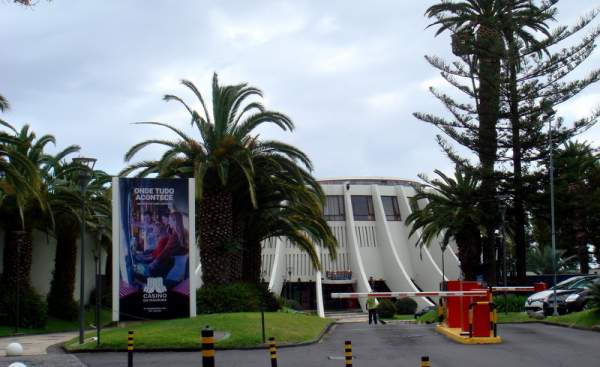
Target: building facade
x=375, y=252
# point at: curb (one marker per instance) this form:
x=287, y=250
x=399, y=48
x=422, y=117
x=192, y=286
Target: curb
x=584, y=328
x=318, y=339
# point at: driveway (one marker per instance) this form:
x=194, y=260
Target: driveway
x=527, y=345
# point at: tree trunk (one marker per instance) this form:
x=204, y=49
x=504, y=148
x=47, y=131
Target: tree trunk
x=488, y=49
x=17, y=267
x=60, y=298
x=469, y=254
x=216, y=237
x=252, y=262
x=519, y=209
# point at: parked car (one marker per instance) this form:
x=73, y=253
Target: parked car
x=543, y=302
x=578, y=301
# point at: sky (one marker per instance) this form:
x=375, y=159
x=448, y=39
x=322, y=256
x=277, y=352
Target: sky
x=349, y=74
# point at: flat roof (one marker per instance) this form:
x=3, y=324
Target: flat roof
x=384, y=181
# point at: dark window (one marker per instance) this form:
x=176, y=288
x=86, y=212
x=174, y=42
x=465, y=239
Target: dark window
x=334, y=208
x=362, y=206
x=390, y=206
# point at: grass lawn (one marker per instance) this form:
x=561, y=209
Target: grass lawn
x=514, y=317
x=57, y=326
x=587, y=318
x=244, y=329
x=581, y=319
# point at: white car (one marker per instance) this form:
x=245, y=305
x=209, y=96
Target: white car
x=543, y=302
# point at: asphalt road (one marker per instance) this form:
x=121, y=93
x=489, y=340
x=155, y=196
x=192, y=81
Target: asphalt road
x=529, y=345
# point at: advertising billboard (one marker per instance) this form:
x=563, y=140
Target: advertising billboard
x=153, y=249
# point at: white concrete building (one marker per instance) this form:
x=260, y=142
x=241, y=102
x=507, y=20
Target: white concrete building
x=367, y=217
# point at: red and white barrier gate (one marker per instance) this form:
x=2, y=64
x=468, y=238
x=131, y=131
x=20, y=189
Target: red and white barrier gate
x=478, y=293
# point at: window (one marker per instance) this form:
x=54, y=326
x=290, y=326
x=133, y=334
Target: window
x=362, y=206
x=390, y=206
x=334, y=208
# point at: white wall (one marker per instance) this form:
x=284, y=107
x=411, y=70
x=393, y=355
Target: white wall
x=42, y=265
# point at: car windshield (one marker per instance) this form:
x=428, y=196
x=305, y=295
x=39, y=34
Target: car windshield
x=583, y=283
x=566, y=283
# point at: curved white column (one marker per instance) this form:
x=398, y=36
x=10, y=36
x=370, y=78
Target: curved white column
x=319, y=287
x=427, y=274
x=396, y=276
x=358, y=269
x=278, y=272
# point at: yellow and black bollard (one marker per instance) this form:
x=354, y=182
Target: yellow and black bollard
x=208, y=347
x=493, y=320
x=425, y=361
x=130, y=348
x=348, y=353
x=273, y=352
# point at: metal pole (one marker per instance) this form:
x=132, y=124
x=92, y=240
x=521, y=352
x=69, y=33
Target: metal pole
x=262, y=320
x=82, y=267
x=98, y=292
x=443, y=269
x=555, y=313
x=504, y=261
x=19, y=242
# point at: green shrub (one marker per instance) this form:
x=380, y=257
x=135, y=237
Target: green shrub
x=63, y=308
x=428, y=318
x=235, y=297
x=290, y=303
x=33, y=311
x=515, y=303
x=386, y=309
x=594, y=295
x=406, y=306
x=106, y=300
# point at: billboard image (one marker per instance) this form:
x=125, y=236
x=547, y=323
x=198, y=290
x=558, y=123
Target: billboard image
x=152, y=253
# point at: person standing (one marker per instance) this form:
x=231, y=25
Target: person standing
x=372, y=308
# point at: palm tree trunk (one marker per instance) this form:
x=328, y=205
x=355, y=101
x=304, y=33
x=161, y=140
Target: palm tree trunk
x=60, y=298
x=216, y=235
x=17, y=266
x=252, y=262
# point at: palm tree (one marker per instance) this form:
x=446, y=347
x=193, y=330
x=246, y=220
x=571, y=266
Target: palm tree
x=477, y=27
x=290, y=205
x=540, y=261
x=24, y=210
x=577, y=166
x=4, y=105
x=453, y=211
x=222, y=163
x=65, y=203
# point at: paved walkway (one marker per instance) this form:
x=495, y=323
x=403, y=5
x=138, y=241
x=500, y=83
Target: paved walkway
x=35, y=344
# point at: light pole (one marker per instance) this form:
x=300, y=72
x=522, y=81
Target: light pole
x=289, y=281
x=98, y=264
x=549, y=112
x=85, y=167
x=502, y=206
x=19, y=242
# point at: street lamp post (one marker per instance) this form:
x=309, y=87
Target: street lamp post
x=549, y=112
x=502, y=205
x=85, y=167
x=98, y=270
x=289, y=281
x=19, y=242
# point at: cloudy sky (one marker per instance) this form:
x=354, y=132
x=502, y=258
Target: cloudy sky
x=349, y=73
